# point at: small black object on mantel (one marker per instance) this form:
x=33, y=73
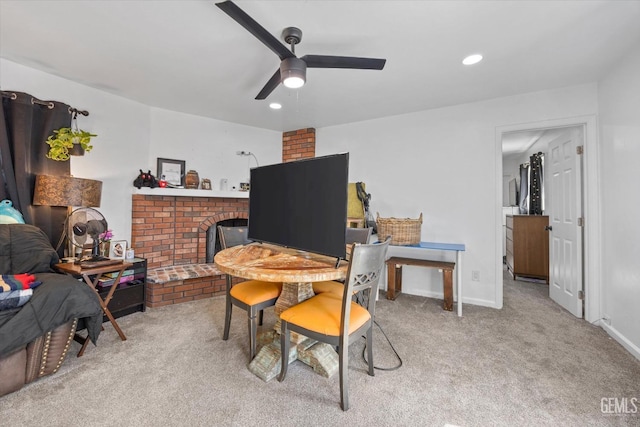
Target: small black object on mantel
x=145, y=179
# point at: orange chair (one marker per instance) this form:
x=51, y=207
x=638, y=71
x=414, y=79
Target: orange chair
x=335, y=320
x=253, y=296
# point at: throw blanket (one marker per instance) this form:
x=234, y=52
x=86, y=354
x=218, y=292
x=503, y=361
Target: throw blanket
x=17, y=282
x=14, y=299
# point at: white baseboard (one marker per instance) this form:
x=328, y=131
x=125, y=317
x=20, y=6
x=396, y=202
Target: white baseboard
x=616, y=335
x=465, y=300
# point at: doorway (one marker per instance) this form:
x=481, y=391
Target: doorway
x=532, y=138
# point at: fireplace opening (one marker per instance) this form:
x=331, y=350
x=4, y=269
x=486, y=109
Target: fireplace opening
x=213, y=237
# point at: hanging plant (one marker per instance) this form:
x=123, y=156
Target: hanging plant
x=69, y=141
x=65, y=139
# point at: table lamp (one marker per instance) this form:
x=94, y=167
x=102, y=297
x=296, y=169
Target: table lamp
x=69, y=191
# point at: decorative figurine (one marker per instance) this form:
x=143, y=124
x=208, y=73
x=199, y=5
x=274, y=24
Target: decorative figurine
x=9, y=215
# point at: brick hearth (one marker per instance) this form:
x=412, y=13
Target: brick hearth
x=171, y=230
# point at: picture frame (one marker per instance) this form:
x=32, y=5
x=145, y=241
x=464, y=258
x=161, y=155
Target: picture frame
x=172, y=170
x=117, y=249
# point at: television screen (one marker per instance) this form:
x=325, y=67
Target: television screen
x=301, y=204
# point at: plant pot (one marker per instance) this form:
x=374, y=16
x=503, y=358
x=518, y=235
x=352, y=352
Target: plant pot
x=77, y=150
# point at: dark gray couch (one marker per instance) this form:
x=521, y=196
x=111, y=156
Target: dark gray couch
x=34, y=338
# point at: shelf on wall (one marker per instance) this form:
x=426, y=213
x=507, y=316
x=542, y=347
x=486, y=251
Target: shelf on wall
x=183, y=192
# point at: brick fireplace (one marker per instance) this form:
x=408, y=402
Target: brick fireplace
x=172, y=231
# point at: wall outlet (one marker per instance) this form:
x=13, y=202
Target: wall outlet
x=475, y=275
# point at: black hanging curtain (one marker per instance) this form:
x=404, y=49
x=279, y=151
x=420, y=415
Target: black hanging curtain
x=536, y=187
x=532, y=186
x=25, y=124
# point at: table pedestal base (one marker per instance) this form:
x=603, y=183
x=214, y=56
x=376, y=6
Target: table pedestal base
x=320, y=356
x=292, y=294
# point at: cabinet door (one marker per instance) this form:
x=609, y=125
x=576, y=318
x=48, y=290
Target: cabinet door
x=531, y=246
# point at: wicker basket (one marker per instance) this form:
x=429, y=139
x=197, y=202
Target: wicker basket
x=403, y=231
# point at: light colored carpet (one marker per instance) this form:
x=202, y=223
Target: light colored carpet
x=529, y=364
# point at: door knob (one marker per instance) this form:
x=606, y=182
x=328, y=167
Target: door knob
x=548, y=228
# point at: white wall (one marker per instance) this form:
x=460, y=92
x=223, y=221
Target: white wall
x=131, y=136
x=209, y=146
x=444, y=163
x=619, y=100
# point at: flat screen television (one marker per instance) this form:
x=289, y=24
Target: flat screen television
x=301, y=204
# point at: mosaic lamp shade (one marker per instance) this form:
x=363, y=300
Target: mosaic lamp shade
x=62, y=190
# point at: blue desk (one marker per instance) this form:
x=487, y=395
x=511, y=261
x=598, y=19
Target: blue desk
x=420, y=250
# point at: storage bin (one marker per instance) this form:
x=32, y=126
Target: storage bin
x=403, y=231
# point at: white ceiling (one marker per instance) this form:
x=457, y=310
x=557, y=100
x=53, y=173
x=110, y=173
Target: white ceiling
x=191, y=57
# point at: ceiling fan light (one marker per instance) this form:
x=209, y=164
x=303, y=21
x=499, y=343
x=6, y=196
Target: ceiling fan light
x=293, y=82
x=293, y=72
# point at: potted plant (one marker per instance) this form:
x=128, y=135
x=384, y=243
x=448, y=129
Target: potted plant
x=66, y=140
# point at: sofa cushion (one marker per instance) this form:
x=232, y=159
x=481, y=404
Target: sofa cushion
x=25, y=248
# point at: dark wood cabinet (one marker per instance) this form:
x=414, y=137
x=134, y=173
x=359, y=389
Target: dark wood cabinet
x=129, y=297
x=527, y=246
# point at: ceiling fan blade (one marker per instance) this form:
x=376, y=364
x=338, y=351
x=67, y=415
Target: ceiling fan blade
x=241, y=17
x=326, y=61
x=271, y=85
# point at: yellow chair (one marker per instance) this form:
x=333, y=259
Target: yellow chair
x=253, y=296
x=336, y=319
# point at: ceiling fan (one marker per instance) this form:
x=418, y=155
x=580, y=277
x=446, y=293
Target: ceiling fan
x=293, y=70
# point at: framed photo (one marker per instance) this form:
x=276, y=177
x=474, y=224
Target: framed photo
x=117, y=249
x=171, y=171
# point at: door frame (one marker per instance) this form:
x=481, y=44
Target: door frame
x=592, y=258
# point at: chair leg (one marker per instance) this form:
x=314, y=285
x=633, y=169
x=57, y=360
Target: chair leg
x=370, y=349
x=227, y=318
x=343, y=357
x=253, y=327
x=284, y=350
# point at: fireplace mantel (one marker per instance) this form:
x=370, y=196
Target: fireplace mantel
x=183, y=192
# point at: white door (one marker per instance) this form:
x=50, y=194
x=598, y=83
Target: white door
x=564, y=191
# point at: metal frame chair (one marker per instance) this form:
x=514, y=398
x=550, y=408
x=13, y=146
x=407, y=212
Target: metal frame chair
x=253, y=296
x=353, y=235
x=335, y=320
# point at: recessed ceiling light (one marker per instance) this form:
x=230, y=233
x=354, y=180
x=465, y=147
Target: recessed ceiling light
x=472, y=59
x=275, y=106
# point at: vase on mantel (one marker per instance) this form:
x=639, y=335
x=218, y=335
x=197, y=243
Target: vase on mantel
x=192, y=180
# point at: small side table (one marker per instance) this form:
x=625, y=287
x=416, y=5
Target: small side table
x=86, y=273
